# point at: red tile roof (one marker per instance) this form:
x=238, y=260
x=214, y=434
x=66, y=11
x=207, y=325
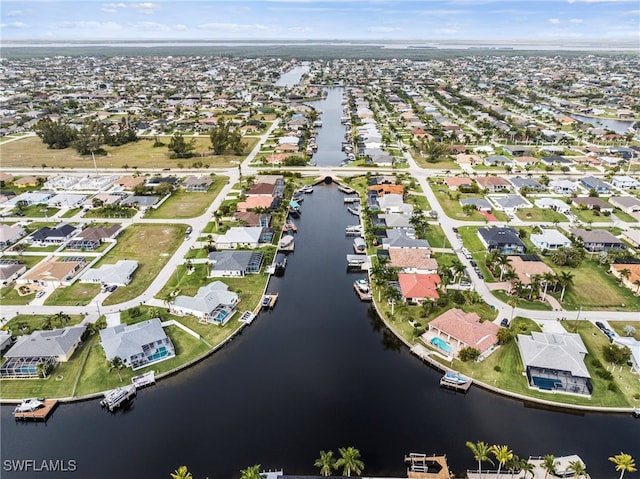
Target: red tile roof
x=419, y=286
x=467, y=329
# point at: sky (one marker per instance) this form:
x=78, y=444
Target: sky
x=438, y=20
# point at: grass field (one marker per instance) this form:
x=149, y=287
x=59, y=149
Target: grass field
x=184, y=204
x=133, y=244
x=30, y=151
x=452, y=206
x=539, y=215
x=78, y=294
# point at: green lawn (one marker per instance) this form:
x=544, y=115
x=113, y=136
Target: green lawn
x=590, y=216
x=622, y=216
x=539, y=215
x=436, y=237
x=121, y=212
x=133, y=244
x=27, y=323
x=523, y=303
x=37, y=211
x=450, y=202
x=78, y=294
x=446, y=164
x=183, y=204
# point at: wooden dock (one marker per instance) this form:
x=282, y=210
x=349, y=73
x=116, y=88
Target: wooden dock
x=463, y=388
x=290, y=227
x=41, y=414
x=364, y=296
x=421, y=466
x=247, y=317
x=346, y=189
x=269, y=300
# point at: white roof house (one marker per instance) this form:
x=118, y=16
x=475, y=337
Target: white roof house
x=238, y=236
x=625, y=182
x=392, y=203
x=112, y=274
x=138, y=345
x=67, y=200
x=553, y=204
x=212, y=303
x=550, y=239
x=563, y=186
x=10, y=234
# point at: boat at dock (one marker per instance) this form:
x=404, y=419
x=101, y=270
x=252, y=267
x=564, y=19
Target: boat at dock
x=356, y=230
x=286, y=243
x=307, y=189
x=363, y=290
x=143, y=380
x=454, y=378
x=280, y=263
x=269, y=300
x=359, y=245
x=354, y=210
x=29, y=405
x=346, y=189
x=421, y=466
x=34, y=409
x=290, y=227
x=247, y=317
x=115, y=398
x=455, y=381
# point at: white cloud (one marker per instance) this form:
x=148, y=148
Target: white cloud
x=146, y=8
x=180, y=27
x=91, y=25
x=151, y=26
x=298, y=29
x=14, y=13
x=14, y=25
x=379, y=29
x=602, y=1
x=576, y=20
x=555, y=21
x=446, y=31
x=232, y=27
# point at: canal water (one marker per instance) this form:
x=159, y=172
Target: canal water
x=332, y=133
x=292, y=77
x=318, y=372
x=619, y=126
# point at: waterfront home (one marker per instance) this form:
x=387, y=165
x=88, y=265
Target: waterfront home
x=554, y=362
x=54, y=271
x=563, y=187
x=197, y=183
x=256, y=202
x=598, y=240
x=48, y=347
x=10, y=270
x=385, y=189
x=624, y=182
x=628, y=274
x=628, y=204
x=550, y=239
x=213, y=303
x=463, y=330
x=417, y=288
x=397, y=238
x=10, y=234
x=554, y=204
x=234, y=263
x=596, y=184
x=393, y=203
x=392, y=220
x=138, y=345
x=117, y=274
x=240, y=237
x=410, y=260
x=480, y=204
x=591, y=203
x=47, y=236
x=527, y=266
x=92, y=237
x=493, y=183
x=526, y=183
x=505, y=240
x=249, y=218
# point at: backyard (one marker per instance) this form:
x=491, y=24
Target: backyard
x=184, y=204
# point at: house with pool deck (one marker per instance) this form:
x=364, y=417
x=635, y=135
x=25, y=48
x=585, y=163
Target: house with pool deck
x=213, y=303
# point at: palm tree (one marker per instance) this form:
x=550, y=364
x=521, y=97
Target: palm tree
x=117, y=364
x=251, y=472
x=624, y=274
x=350, y=460
x=513, y=465
x=509, y=276
x=565, y=280
x=480, y=451
x=636, y=283
x=502, y=454
x=326, y=462
x=458, y=268
x=181, y=473
x=578, y=468
x=549, y=464
x=624, y=462
x=527, y=466
x=503, y=262
x=42, y=369
x=432, y=150
x=548, y=278
x=392, y=295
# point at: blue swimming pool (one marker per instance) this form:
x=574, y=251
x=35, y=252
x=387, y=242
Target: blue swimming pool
x=442, y=344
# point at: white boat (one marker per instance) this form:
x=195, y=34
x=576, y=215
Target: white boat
x=28, y=405
x=286, y=242
x=307, y=189
x=116, y=397
x=354, y=229
x=454, y=378
x=362, y=285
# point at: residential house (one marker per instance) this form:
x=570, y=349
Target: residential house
x=10, y=270
x=47, y=236
x=255, y=202
x=563, y=187
x=234, y=263
x=465, y=330
x=550, y=239
x=118, y=274
x=197, y=183
x=505, y=240
x=129, y=182
x=27, y=182
x=628, y=204
x=528, y=265
x=591, y=203
x=628, y=274
x=632, y=237
x=240, y=237
x=458, y=182
x=481, y=204
x=141, y=202
x=10, y=234
x=554, y=204
x=92, y=237
x=624, y=182
x=213, y=303
x=510, y=203
x=527, y=183
x=48, y=346
x=392, y=220
x=400, y=239
x=497, y=160
x=411, y=260
x=598, y=240
x=556, y=160
x=30, y=198
x=249, y=218
x=554, y=362
x=54, y=271
x=393, y=203
x=385, y=189
x=493, y=183
x=596, y=184
x=138, y=345
x=417, y=288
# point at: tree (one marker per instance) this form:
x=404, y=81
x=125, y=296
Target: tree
x=326, y=462
x=549, y=464
x=55, y=134
x=432, y=150
x=503, y=262
x=468, y=354
x=181, y=473
x=629, y=330
x=42, y=369
x=181, y=148
x=504, y=336
x=502, y=454
x=616, y=354
x=480, y=451
x=578, y=468
x=526, y=466
x=624, y=462
x=251, y=472
x=392, y=295
x=90, y=138
x=350, y=461
x=117, y=364
x=565, y=280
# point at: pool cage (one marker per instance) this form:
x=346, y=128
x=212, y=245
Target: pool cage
x=25, y=368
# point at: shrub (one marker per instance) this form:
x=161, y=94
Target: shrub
x=469, y=354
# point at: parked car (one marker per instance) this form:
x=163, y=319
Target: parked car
x=111, y=288
x=601, y=326
x=473, y=263
x=40, y=293
x=504, y=323
x=189, y=230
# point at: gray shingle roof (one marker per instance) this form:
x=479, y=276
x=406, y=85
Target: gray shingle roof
x=54, y=343
x=127, y=340
x=561, y=351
